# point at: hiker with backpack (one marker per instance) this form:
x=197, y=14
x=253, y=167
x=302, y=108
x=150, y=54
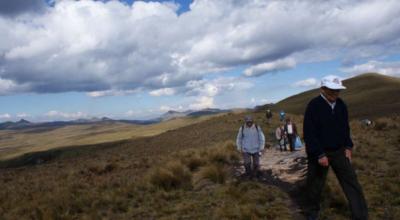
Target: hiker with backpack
x=268, y=115
x=291, y=132
x=328, y=143
x=282, y=115
x=250, y=142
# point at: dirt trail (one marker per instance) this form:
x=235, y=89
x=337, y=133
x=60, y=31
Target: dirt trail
x=287, y=171
x=288, y=167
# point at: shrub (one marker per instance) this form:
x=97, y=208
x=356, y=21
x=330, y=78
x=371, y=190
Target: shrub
x=101, y=169
x=225, y=154
x=380, y=125
x=173, y=176
x=194, y=162
x=213, y=172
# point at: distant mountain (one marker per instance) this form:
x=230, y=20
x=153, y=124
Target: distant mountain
x=24, y=124
x=15, y=125
x=368, y=95
x=191, y=113
x=174, y=114
x=208, y=111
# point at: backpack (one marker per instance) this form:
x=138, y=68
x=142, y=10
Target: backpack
x=243, y=129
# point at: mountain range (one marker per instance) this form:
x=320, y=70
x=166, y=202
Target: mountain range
x=23, y=124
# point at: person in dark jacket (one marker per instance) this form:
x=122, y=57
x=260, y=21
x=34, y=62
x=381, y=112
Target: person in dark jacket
x=328, y=143
x=268, y=115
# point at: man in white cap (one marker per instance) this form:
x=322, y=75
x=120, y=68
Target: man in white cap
x=250, y=142
x=328, y=143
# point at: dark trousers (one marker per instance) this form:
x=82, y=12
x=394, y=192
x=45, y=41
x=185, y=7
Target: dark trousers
x=283, y=143
x=316, y=178
x=251, y=163
x=291, y=138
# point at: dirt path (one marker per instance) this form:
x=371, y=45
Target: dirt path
x=287, y=166
x=287, y=171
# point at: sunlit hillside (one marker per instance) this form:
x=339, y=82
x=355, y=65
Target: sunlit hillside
x=367, y=96
x=17, y=142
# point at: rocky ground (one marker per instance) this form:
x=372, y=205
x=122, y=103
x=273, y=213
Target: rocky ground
x=289, y=167
x=285, y=170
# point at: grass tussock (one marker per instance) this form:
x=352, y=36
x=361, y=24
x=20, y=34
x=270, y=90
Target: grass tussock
x=100, y=169
x=211, y=164
x=174, y=175
x=212, y=172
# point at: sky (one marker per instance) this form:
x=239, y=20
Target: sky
x=67, y=59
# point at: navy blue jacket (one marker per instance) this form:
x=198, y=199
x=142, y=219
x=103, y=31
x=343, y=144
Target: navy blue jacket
x=325, y=129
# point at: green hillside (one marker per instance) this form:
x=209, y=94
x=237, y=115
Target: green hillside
x=368, y=95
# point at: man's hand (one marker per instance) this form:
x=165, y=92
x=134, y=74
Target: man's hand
x=348, y=153
x=323, y=161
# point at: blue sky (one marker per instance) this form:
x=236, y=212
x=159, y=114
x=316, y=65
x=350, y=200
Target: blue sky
x=63, y=60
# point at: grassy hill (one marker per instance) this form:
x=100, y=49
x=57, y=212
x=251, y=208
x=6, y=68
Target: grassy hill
x=14, y=143
x=368, y=95
x=188, y=173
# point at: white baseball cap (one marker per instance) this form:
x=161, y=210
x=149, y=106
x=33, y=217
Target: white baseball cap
x=332, y=82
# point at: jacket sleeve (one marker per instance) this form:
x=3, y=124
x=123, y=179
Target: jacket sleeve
x=261, y=138
x=239, y=139
x=348, y=141
x=313, y=145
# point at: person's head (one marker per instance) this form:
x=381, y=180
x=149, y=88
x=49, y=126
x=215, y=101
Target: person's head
x=248, y=120
x=331, y=87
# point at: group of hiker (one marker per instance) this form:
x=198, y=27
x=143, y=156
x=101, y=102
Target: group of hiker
x=328, y=143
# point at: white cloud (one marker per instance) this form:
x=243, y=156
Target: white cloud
x=5, y=116
x=202, y=103
x=260, y=101
x=217, y=86
x=10, y=87
x=165, y=108
x=385, y=68
x=268, y=67
x=310, y=82
x=96, y=94
x=103, y=48
x=23, y=115
x=53, y=114
x=162, y=92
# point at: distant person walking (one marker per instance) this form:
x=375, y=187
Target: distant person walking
x=328, y=143
x=281, y=137
x=268, y=115
x=291, y=132
x=282, y=115
x=250, y=142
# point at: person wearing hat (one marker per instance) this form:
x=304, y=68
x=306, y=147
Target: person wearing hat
x=328, y=144
x=250, y=142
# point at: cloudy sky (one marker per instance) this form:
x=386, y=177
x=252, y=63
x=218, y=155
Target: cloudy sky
x=64, y=59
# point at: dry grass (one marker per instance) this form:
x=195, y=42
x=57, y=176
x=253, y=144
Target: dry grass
x=16, y=143
x=117, y=180
x=376, y=160
x=173, y=175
